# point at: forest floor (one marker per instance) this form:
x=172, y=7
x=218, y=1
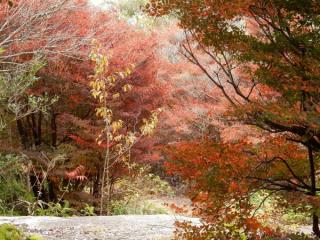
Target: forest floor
x=124, y=227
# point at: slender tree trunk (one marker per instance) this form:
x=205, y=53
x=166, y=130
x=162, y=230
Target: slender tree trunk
x=108, y=185
x=105, y=172
x=110, y=191
x=315, y=217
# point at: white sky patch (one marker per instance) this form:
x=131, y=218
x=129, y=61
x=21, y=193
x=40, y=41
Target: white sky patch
x=102, y=3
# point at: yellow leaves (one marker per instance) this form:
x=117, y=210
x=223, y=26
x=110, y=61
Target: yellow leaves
x=104, y=112
x=122, y=74
x=116, y=125
x=95, y=93
x=126, y=73
x=130, y=138
x=104, y=83
x=120, y=148
x=100, y=111
x=118, y=138
x=150, y=124
x=92, y=84
x=101, y=61
x=100, y=85
x=98, y=89
x=116, y=95
x=101, y=97
x=99, y=142
x=110, y=136
x=127, y=87
x=112, y=79
x=107, y=88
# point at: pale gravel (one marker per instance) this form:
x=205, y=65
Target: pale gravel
x=124, y=227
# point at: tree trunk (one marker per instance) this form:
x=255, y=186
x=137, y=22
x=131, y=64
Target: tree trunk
x=96, y=184
x=53, y=130
x=315, y=217
x=109, y=194
x=39, y=130
x=37, y=190
x=35, y=126
x=105, y=181
x=22, y=133
x=315, y=224
x=52, y=197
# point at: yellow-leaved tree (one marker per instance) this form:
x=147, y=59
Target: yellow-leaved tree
x=116, y=137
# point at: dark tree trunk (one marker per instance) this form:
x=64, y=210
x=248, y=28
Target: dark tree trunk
x=315, y=224
x=31, y=132
x=315, y=217
x=52, y=197
x=35, y=185
x=35, y=126
x=53, y=130
x=39, y=132
x=22, y=133
x=96, y=185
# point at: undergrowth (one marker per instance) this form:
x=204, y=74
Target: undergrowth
x=10, y=232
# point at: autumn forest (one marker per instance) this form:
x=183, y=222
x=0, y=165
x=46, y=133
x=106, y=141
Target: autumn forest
x=204, y=109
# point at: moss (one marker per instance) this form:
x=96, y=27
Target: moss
x=34, y=237
x=10, y=232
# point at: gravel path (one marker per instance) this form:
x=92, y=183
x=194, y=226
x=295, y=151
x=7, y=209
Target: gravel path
x=129, y=227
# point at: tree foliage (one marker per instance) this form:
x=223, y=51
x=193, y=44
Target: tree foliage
x=263, y=57
x=237, y=82
x=48, y=113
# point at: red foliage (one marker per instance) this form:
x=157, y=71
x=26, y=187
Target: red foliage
x=77, y=174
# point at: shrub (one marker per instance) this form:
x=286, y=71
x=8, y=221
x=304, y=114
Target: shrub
x=10, y=232
x=34, y=237
x=13, y=187
x=88, y=210
x=55, y=209
x=136, y=206
x=132, y=194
